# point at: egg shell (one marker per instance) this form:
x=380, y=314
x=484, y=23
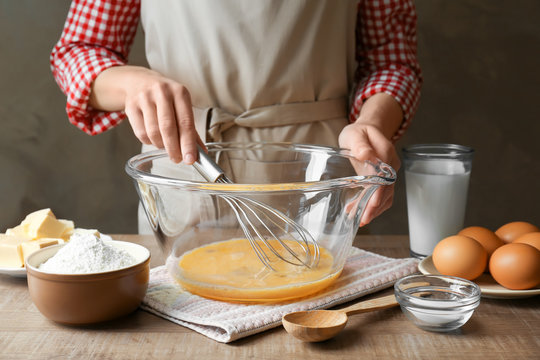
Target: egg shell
x=484, y=236
x=532, y=239
x=511, y=231
x=460, y=256
x=516, y=266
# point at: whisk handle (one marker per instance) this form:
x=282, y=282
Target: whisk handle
x=207, y=167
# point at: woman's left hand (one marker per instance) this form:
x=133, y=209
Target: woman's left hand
x=367, y=142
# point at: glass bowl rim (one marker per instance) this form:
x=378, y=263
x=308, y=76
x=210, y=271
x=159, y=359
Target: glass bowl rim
x=386, y=176
x=402, y=296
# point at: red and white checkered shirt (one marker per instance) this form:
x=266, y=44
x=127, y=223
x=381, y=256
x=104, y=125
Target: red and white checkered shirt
x=98, y=34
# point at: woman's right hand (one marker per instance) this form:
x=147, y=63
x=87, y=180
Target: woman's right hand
x=159, y=109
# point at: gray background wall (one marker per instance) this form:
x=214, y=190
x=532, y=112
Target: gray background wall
x=480, y=60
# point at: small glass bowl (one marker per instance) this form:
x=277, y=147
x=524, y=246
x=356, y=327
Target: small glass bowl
x=437, y=302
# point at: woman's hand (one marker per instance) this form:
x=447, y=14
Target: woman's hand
x=159, y=109
x=369, y=139
x=366, y=142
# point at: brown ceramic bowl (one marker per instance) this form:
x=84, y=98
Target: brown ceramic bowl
x=79, y=299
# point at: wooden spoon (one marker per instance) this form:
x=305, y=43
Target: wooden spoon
x=320, y=325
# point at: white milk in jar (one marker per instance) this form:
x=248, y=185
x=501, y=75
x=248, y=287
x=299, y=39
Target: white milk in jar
x=436, y=201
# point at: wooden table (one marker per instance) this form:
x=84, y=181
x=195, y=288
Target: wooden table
x=499, y=329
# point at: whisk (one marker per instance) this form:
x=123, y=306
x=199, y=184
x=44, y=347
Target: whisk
x=260, y=223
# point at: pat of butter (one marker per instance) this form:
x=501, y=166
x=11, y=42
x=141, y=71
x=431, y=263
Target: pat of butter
x=68, y=231
x=30, y=218
x=43, y=223
x=28, y=247
x=19, y=230
x=10, y=251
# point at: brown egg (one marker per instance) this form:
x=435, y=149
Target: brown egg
x=532, y=239
x=485, y=237
x=511, y=231
x=516, y=266
x=460, y=256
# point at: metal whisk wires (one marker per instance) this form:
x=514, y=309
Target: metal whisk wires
x=271, y=234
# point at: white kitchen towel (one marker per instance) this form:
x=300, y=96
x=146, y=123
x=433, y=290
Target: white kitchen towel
x=364, y=273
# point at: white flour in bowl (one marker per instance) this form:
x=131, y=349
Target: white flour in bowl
x=86, y=253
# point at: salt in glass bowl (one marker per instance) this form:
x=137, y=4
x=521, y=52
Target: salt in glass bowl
x=438, y=303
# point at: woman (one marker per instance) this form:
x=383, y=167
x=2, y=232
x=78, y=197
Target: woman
x=338, y=73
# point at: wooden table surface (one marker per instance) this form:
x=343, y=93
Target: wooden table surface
x=499, y=329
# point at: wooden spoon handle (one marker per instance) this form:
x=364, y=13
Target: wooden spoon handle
x=378, y=303
x=371, y=305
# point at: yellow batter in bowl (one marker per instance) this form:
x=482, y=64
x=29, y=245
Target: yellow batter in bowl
x=231, y=271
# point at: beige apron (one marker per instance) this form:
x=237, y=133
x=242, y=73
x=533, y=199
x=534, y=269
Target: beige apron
x=263, y=70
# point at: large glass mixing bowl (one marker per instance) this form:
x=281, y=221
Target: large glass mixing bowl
x=323, y=190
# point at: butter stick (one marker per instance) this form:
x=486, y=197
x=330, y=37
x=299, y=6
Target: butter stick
x=28, y=247
x=10, y=251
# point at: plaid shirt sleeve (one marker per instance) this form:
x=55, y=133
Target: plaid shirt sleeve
x=97, y=35
x=386, y=55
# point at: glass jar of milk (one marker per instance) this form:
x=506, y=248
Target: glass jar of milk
x=436, y=181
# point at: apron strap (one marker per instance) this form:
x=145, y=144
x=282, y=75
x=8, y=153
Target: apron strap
x=218, y=120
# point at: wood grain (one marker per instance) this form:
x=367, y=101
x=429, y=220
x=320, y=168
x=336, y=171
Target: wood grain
x=379, y=303
x=499, y=329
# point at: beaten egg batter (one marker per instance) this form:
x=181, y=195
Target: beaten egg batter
x=231, y=271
